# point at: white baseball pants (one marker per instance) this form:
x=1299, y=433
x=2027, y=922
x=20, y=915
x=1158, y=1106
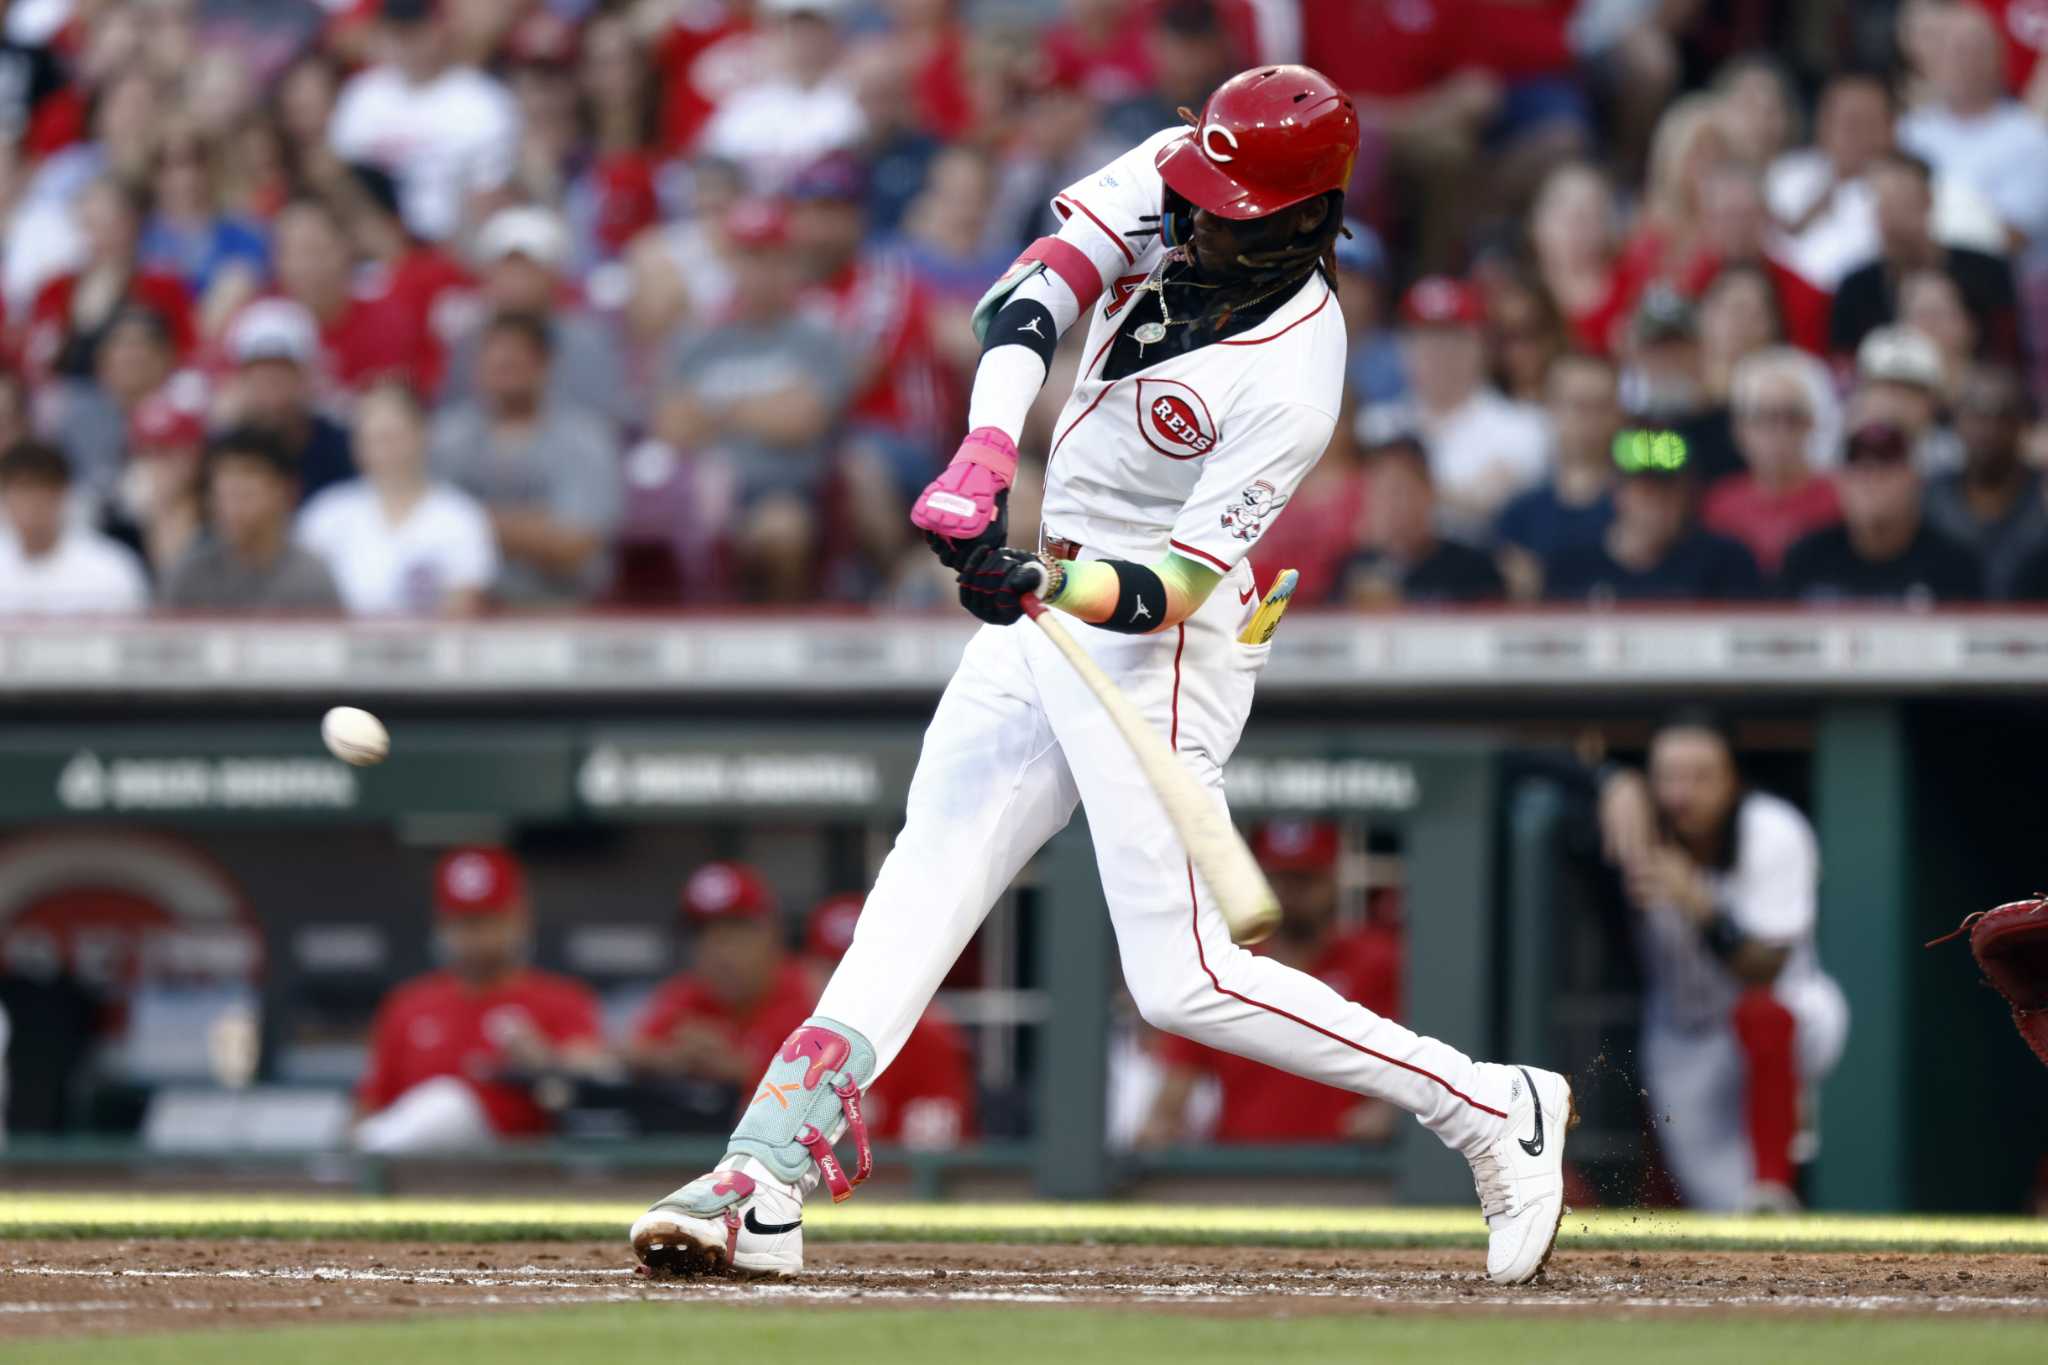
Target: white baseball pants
x=1016, y=741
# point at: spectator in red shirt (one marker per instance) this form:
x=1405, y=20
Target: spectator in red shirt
x=710, y=51
x=1572, y=233
x=1734, y=225
x=1261, y=1104
x=72, y=312
x=925, y=1099
x=722, y=1017
x=360, y=338
x=882, y=315
x=448, y=1049
x=404, y=275
x=1784, y=415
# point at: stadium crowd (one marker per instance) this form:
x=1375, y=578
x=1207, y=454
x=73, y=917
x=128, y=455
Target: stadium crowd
x=442, y=306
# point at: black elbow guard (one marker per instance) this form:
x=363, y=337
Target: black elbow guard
x=1140, y=600
x=1024, y=322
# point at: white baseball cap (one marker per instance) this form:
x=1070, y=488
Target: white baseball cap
x=274, y=329
x=534, y=233
x=1899, y=355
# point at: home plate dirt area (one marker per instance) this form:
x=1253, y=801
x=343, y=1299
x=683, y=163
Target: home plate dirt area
x=67, y=1287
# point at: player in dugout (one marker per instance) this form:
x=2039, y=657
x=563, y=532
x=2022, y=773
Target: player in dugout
x=925, y=1100
x=1261, y=1103
x=448, y=1049
x=1740, y=1023
x=721, y=1018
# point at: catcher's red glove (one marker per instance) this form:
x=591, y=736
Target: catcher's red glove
x=2011, y=944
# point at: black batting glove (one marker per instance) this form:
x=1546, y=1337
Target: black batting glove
x=954, y=554
x=994, y=579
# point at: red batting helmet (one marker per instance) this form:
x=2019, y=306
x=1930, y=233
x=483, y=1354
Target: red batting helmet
x=1267, y=138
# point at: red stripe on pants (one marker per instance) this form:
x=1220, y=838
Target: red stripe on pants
x=1764, y=1028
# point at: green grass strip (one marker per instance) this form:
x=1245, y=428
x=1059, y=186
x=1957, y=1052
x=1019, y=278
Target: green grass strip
x=486, y=1220
x=661, y=1334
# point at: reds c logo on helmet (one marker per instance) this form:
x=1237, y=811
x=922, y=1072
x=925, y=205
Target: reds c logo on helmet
x=1267, y=139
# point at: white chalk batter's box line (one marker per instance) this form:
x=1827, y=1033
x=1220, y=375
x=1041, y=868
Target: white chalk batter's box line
x=1026, y=1286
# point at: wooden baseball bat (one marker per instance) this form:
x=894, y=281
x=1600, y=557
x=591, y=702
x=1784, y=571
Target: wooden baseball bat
x=1250, y=909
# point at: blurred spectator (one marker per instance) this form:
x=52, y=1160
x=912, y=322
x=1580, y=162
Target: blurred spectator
x=1056, y=142
x=882, y=316
x=1655, y=547
x=1738, y=316
x=1690, y=143
x=955, y=246
x=1664, y=381
x=1372, y=365
x=722, y=1017
x=1932, y=305
x=611, y=196
x=1524, y=332
x=1438, y=85
x=403, y=276
x=548, y=472
x=396, y=541
x=1784, y=418
x=1576, y=506
x=1188, y=51
x=682, y=272
x=247, y=561
x=1320, y=526
x=523, y=255
x=1971, y=129
x=1884, y=549
x=1572, y=233
x=446, y=132
x=72, y=313
x=1484, y=448
x=90, y=416
x=1261, y=1103
x=1755, y=93
x=49, y=564
x=222, y=259
x=1994, y=505
x=925, y=1100
x=1403, y=559
x=1901, y=188
x=453, y=1054
x=359, y=338
x=1734, y=231
x=1821, y=196
x=274, y=346
x=1899, y=382
x=159, y=506
x=1740, y=1023
x=703, y=53
x=775, y=126
x=755, y=399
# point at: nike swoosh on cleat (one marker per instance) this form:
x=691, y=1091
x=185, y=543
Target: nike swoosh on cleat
x=1245, y=599
x=1532, y=1145
x=755, y=1225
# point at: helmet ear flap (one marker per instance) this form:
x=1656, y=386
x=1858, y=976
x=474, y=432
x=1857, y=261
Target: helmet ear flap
x=1176, y=219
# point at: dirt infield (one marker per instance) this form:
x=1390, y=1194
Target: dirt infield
x=72, y=1287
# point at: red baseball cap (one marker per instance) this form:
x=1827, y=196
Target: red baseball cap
x=478, y=881
x=726, y=891
x=158, y=422
x=829, y=930
x=1442, y=301
x=1296, y=845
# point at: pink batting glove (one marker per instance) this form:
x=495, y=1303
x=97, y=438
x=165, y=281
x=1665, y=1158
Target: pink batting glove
x=961, y=502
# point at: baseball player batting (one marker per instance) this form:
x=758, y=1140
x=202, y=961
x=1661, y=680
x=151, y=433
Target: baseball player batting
x=1200, y=264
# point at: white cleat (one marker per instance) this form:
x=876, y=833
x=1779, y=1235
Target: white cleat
x=724, y=1223
x=1520, y=1178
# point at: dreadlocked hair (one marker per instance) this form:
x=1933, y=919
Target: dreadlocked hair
x=1269, y=271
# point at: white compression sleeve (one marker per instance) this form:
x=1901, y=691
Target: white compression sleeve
x=1010, y=376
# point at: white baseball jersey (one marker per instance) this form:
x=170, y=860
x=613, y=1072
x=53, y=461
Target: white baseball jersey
x=1197, y=453
x=1201, y=451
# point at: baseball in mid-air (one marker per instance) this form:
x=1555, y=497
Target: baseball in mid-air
x=355, y=736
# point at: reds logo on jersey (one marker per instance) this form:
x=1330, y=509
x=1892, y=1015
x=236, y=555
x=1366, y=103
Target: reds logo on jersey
x=1174, y=420
x=1246, y=517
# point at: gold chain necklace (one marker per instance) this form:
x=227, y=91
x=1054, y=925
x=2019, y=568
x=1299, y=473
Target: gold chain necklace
x=1152, y=333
